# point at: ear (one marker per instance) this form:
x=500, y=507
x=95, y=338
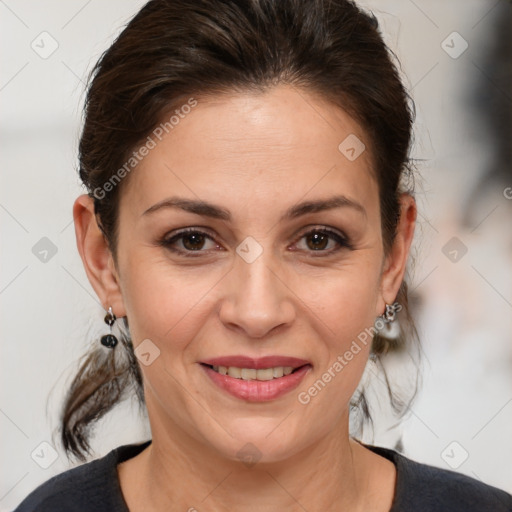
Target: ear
x=96, y=256
x=396, y=261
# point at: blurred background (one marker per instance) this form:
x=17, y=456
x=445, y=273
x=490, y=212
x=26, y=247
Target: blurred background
x=456, y=57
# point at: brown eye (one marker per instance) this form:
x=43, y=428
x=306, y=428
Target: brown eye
x=318, y=240
x=193, y=241
x=189, y=241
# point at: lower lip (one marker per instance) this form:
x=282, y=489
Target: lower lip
x=257, y=390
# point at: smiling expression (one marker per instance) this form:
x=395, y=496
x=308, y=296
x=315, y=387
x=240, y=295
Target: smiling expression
x=283, y=257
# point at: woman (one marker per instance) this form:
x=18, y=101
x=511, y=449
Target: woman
x=247, y=223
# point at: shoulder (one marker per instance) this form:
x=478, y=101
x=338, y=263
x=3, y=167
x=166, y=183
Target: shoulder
x=426, y=488
x=90, y=486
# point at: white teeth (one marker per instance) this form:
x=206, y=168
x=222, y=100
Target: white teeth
x=278, y=372
x=235, y=372
x=248, y=373
x=253, y=374
x=266, y=374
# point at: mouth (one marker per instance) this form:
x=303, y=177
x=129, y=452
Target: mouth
x=261, y=374
x=256, y=380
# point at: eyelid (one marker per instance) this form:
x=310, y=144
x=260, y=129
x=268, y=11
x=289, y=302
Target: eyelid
x=167, y=240
x=320, y=227
x=339, y=237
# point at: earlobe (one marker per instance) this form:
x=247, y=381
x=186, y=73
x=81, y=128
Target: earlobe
x=396, y=261
x=96, y=256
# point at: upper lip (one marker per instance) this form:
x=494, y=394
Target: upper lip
x=240, y=361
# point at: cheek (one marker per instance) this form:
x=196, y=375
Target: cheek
x=345, y=306
x=164, y=303
x=345, y=336
x=344, y=300
x=170, y=304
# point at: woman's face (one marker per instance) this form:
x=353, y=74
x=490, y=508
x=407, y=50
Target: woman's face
x=252, y=280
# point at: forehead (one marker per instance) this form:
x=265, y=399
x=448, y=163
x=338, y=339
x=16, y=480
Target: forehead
x=261, y=149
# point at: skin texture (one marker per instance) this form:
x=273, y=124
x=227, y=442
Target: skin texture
x=255, y=155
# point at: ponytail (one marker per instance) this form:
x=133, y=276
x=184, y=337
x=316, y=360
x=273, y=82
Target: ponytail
x=105, y=377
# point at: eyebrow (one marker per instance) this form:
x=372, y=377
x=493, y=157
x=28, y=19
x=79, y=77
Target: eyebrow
x=206, y=209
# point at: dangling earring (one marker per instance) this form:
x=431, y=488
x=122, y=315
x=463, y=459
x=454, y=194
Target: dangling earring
x=389, y=314
x=390, y=328
x=109, y=340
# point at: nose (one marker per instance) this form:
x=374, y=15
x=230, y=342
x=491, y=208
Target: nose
x=257, y=300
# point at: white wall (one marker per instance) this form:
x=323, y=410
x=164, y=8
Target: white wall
x=49, y=313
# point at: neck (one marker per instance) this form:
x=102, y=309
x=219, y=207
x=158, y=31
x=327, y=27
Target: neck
x=183, y=473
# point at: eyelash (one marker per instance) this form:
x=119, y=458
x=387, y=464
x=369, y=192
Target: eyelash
x=166, y=242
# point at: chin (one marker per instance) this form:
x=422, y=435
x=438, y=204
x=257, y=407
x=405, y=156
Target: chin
x=258, y=442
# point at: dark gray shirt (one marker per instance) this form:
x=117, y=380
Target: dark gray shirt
x=94, y=487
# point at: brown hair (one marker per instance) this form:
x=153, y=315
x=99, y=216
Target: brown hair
x=176, y=49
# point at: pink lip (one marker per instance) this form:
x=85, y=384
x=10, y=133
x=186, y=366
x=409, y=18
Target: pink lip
x=249, y=362
x=257, y=390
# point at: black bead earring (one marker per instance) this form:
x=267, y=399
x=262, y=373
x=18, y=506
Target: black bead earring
x=109, y=340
